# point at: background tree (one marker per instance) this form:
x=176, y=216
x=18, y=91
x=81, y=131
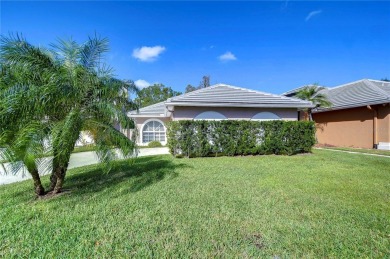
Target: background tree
x=385, y=79
x=203, y=84
x=190, y=88
x=54, y=95
x=313, y=94
x=154, y=94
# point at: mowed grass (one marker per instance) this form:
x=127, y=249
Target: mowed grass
x=327, y=204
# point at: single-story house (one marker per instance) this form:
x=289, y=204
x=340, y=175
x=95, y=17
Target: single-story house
x=217, y=102
x=359, y=115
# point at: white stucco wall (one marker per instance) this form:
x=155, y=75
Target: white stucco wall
x=140, y=122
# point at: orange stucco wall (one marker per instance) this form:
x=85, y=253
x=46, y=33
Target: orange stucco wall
x=384, y=123
x=352, y=127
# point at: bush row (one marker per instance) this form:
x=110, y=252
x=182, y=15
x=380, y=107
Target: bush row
x=191, y=138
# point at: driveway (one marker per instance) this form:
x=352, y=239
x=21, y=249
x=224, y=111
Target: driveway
x=76, y=160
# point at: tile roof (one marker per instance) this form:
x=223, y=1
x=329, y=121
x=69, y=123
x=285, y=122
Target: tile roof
x=222, y=95
x=356, y=94
x=154, y=109
x=384, y=85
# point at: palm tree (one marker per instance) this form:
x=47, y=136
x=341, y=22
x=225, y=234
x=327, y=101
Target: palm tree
x=21, y=147
x=68, y=89
x=313, y=94
x=21, y=137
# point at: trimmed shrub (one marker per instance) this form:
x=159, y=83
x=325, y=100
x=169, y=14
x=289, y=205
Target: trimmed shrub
x=191, y=138
x=154, y=144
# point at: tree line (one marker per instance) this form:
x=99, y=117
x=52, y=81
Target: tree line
x=159, y=92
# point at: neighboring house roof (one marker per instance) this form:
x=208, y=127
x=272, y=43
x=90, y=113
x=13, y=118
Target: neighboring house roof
x=157, y=109
x=222, y=95
x=384, y=85
x=359, y=93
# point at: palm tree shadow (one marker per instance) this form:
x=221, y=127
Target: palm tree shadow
x=139, y=173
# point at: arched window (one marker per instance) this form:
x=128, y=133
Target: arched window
x=153, y=131
x=210, y=115
x=265, y=116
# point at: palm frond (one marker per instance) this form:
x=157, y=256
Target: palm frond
x=110, y=113
x=107, y=138
x=67, y=52
x=17, y=52
x=313, y=94
x=92, y=52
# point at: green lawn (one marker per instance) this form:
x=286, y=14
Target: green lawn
x=327, y=204
x=362, y=150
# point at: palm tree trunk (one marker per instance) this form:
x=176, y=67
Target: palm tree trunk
x=60, y=173
x=60, y=167
x=60, y=178
x=39, y=190
x=33, y=170
x=310, y=116
x=63, y=146
x=53, y=176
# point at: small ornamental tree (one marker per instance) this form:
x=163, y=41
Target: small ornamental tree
x=313, y=94
x=49, y=96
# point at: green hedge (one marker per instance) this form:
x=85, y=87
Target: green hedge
x=232, y=137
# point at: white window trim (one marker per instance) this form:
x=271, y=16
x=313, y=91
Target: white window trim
x=142, y=132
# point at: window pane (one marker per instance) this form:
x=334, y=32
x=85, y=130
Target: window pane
x=210, y=115
x=265, y=116
x=157, y=127
x=153, y=130
x=147, y=127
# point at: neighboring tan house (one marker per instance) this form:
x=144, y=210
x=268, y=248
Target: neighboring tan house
x=217, y=102
x=359, y=115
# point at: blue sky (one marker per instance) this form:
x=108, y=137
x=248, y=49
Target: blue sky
x=271, y=46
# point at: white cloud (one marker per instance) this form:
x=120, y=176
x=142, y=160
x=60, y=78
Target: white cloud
x=227, y=56
x=148, y=54
x=140, y=83
x=311, y=14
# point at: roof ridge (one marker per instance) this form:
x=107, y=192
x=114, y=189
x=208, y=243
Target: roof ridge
x=386, y=82
x=350, y=83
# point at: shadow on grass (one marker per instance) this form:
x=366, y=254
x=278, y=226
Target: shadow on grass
x=140, y=173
